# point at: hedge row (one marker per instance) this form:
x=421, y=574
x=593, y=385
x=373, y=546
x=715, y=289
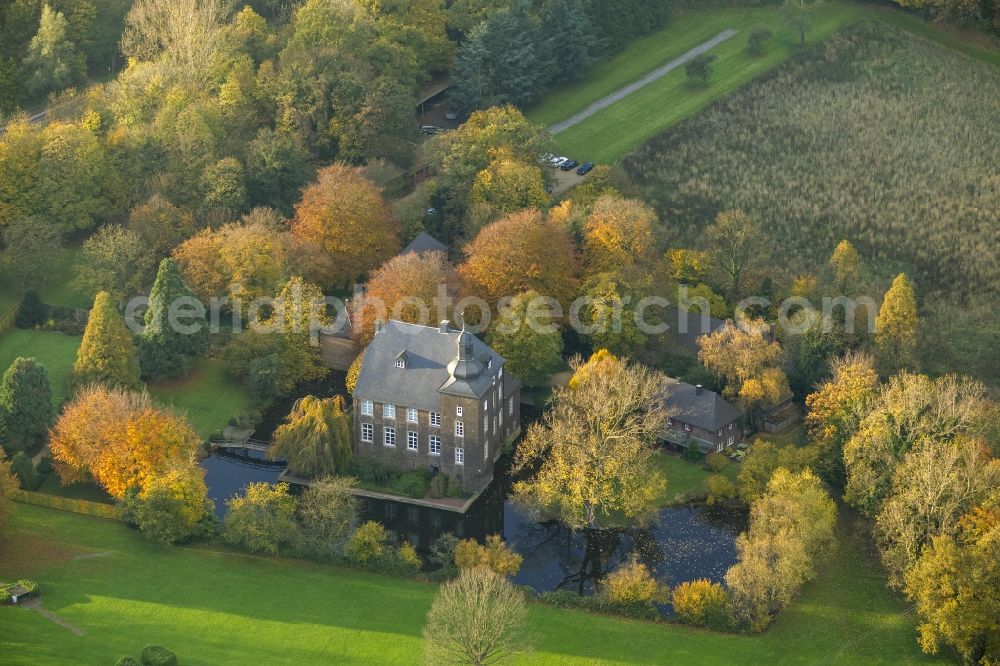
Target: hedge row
x=85, y=507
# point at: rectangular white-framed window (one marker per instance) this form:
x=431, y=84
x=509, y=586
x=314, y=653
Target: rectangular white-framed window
x=459, y=456
x=400, y=363
x=720, y=432
x=496, y=423
x=486, y=451
x=390, y=436
x=459, y=429
x=435, y=445
x=500, y=416
x=500, y=372
x=411, y=415
x=366, y=408
x=719, y=447
x=486, y=424
x=411, y=441
x=486, y=404
x=366, y=432
x=687, y=427
x=510, y=406
x=436, y=419
x=732, y=440
x=731, y=426
x=458, y=410
x=500, y=394
x=389, y=411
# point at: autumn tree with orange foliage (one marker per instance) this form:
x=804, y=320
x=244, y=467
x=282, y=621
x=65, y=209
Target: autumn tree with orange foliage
x=344, y=227
x=618, y=234
x=244, y=260
x=521, y=252
x=406, y=288
x=120, y=439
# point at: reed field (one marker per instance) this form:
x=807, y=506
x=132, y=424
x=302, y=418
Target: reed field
x=875, y=135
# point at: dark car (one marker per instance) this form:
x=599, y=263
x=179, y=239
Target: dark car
x=585, y=168
x=571, y=164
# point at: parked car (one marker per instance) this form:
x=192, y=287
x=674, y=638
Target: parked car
x=568, y=164
x=450, y=115
x=559, y=161
x=429, y=129
x=585, y=168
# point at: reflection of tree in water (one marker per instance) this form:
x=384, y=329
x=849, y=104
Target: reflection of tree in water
x=586, y=556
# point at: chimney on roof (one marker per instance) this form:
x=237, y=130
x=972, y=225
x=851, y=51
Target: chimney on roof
x=697, y=389
x=444, y=326
x=378, y=325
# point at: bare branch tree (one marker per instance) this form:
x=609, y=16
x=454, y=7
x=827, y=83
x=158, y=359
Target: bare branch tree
x=475, y=619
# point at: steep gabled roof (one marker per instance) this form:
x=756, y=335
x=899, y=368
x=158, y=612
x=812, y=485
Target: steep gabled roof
x=686, y=326
x=424, y=242
x=429, y=352
x=700, y=408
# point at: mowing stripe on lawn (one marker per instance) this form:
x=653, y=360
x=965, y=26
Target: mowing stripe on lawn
x=657, y=73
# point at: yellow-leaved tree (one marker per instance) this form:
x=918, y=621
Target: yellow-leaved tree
x=845, y=262
x=896, y=327
x=618, y=233
x=107, y=354
x=593, y=450
x=315, y=438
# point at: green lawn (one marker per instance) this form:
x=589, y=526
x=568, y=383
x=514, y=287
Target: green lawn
x=685, y=477
x=612, y=132
x=216, y=608
x=60, y=289
x=207, y=395
x=56, y=351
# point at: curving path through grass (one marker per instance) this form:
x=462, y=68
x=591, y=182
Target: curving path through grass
x=656, y=74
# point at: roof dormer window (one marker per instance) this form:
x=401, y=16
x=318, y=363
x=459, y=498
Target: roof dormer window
x=401, y=360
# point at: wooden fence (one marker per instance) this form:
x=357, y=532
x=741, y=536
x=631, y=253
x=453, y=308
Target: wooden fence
x=82, y=506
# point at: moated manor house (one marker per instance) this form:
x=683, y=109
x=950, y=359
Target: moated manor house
x=435, y=399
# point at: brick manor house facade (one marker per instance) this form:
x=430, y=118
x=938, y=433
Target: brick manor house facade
x=436, y=399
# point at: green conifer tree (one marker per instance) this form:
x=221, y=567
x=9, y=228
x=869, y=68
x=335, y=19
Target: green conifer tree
x=25, y=405
x=168, y=343
x=107, y=354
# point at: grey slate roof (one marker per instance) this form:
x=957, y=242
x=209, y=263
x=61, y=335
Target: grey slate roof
x=687, y=326
x=428, y=355
x=706, y=410
x=424, y=242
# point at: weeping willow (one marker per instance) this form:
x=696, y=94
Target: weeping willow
x=315, y=438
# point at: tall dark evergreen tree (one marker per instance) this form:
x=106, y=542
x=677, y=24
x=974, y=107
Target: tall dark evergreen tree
x=566, y=39
x=500, y=62
x=25, y=405
x=167, y=347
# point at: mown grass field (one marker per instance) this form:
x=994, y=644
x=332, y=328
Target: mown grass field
x=56, y=351
x=217, y=608
x=611, y=133
x=207, y=396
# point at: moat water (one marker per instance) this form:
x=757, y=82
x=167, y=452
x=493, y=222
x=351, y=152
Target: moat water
x=683, y=543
